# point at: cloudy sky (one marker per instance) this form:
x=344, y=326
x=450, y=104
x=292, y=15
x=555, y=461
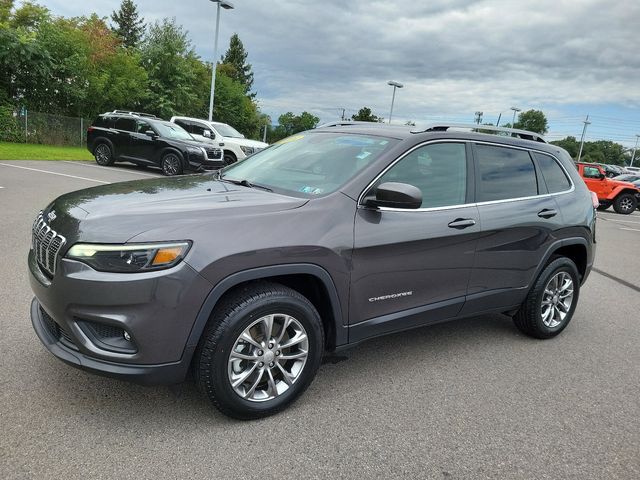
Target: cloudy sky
x=568, y=58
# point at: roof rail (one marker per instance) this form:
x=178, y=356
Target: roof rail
x=139, y=114
x=344, y=123
x=443, y=127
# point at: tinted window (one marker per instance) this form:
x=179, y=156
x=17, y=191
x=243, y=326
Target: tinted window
x=504, y=173
x=438, y=170
x=184, y=124
x=554, y=176
x=198, y=129
x=124, y=123
x=103, y=121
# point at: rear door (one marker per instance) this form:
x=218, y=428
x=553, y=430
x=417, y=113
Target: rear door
x=122, y=140
x=517, y=217
x=412, y=267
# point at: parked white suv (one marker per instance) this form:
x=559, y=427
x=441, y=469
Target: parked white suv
x=233, y=143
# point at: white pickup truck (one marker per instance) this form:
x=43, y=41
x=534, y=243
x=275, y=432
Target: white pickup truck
x=233, y=143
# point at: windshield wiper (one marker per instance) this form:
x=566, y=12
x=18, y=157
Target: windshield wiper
x=244, y=183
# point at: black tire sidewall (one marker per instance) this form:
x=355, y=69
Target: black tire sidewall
x=236, y=324
x=555, y=267
x=228, y=159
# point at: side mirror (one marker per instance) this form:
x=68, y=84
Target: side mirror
x=396, y=195
x=208, y=134
x=150, y=133
x=602, y=176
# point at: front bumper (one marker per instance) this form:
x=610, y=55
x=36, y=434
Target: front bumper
x=156, y=309
x=213, y=160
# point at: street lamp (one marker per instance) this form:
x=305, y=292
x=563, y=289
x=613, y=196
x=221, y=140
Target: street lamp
x=227, y=6
x=393, y=98
x=515, y=110
x=633, y=156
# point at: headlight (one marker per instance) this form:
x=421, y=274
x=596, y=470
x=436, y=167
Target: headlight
x=199, y=151
x=246, y=150
x=129, y=258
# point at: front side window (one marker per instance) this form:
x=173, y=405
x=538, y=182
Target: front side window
x=439, y=170
x=310, y=164
x=172, y=130
x=554, y=176
x=591, y=172
x=143, y=127
x=504, y=173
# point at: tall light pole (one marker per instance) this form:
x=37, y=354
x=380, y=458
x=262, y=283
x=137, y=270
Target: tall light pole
x=584, y=130
x=633, y=155
x=515, y=110
x=393, y=98
x=227, y=6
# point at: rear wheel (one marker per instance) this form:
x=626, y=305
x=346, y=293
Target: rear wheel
x=625, y=203
x=550, y=304
x=260, y=351
x=171, y=165
x=103, y=154
x=603, y=206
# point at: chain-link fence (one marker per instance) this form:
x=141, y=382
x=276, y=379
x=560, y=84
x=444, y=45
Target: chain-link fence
x=43, y=128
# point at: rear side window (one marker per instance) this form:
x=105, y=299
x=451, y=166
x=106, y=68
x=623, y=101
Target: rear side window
x=103, y=122
x=127, y=124
x=184, y=124
x=504, y=173
x=198, y=129
x=553, y=174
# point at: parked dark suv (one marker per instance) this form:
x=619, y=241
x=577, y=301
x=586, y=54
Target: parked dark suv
x=149, y=141
x=325, y=239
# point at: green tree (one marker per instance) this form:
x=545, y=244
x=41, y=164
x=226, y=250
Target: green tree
x=128, y=24
x=532, y=120
x=366, y=115
x=570, y=144
x=5, y=11
x=169, y=59
x=29, y=16
x=290, y=124
x=237, y=67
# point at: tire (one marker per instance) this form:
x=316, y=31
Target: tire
x=603, y=206
x=247, y=312
x=229, y=158
x=625, y=204
x=532, y=318
x=171, y=164
x=103, y=154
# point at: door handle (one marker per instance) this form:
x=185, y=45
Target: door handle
x=460, y=223
x=547, y=213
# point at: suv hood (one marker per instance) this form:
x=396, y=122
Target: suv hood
x=117, y=212
x=245, y=142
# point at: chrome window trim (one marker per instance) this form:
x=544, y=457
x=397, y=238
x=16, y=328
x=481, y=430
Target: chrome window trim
x=475, y=204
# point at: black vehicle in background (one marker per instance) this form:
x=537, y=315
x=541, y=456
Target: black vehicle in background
x=149, y=141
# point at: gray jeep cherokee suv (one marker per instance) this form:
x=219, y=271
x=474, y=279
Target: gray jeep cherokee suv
x=325, y=239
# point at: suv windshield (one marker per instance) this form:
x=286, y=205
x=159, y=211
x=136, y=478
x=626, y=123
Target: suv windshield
x=227, y=130
x=309, y=164
x=171, y=130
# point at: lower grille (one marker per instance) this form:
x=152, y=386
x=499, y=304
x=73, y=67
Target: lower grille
x=58, y=332
x=214, y=153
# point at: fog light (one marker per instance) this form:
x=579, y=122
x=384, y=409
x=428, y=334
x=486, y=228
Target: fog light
x=127, y=337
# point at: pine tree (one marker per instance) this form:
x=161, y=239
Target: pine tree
x=127, y=24
x=236, y=57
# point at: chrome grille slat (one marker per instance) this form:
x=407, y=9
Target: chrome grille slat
x=46, y=244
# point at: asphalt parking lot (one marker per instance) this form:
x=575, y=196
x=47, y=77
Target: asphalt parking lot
x=467, y=399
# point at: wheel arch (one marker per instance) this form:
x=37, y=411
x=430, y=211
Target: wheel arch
x=575, y=249
x=170, y=149
x=620, y=191
x=98, y=140
x=310, y=280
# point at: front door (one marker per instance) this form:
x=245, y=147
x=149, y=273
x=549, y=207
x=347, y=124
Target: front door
x=143, y=147
x=412, y=267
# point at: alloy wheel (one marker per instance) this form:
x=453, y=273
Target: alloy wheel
x=557, y=299
x=102, y=154
x=626, y=204
x=171, y=165
x=268, y=357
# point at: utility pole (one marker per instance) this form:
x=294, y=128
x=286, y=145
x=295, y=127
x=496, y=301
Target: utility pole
x=584, y=130
x=633, y=155
x=343, y=109
x=498, y=122
x=479, y=117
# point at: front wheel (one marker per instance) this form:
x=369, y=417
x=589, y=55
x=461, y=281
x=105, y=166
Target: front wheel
x=550, y=304
x=171, y=165
x=260, y=351
x=625, y=204
x=229, y=158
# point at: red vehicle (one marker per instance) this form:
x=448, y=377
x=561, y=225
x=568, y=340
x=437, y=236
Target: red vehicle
x=624, y=196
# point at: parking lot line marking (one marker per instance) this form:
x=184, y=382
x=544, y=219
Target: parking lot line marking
x=617, y=279
x=54, y=173
x=615, y=220
x=630, y=229
x=112, y=169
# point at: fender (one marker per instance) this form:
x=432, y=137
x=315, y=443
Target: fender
x=164, y=151
x=262, y=273
x=555, y=246
x=620, y=190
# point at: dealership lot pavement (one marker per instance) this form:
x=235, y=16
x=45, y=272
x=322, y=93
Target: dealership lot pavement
x=467, y=399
